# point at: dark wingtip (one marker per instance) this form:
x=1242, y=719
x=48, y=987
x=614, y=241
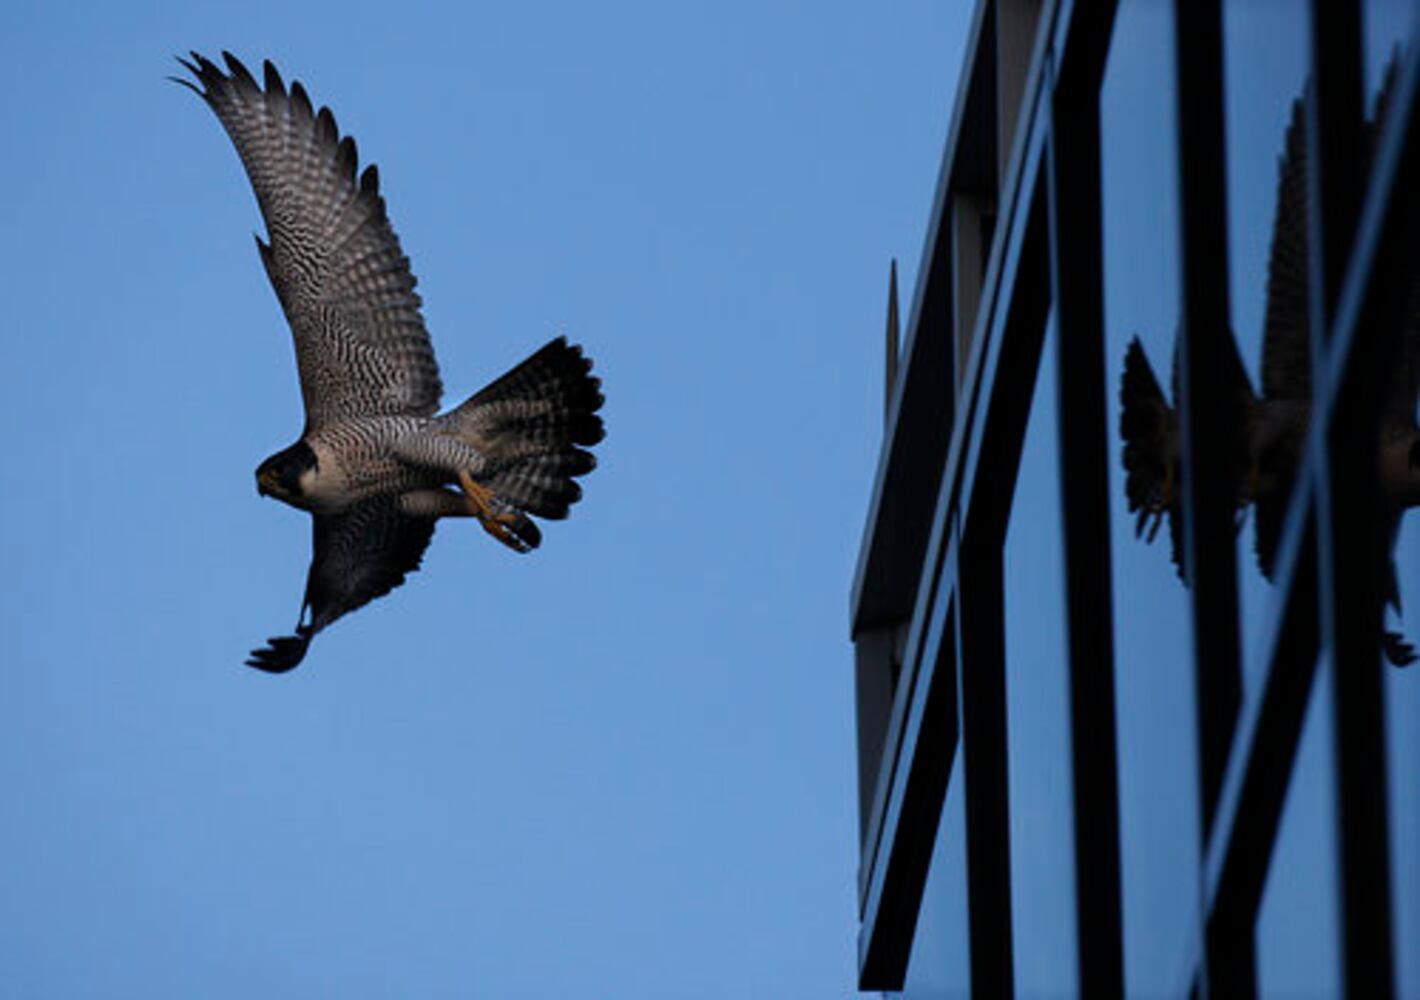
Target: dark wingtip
x=186, y=83
x=346, y=157
x=240, y=75
x=272, y=78
x=191, y=68
x=587, y=430
x=281, y=654
x=206, y=67
x=326, y=128
x=301, y=101
x=370, y=180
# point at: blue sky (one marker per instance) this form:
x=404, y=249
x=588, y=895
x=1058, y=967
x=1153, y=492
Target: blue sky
x=622, y=766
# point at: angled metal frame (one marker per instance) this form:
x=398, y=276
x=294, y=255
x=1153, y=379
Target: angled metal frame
x=988, y=490
x=1207, y=427
x=881, y=964
x=1077, y=288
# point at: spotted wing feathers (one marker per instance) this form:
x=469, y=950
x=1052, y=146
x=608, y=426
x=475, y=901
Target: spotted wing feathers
x=331, y=254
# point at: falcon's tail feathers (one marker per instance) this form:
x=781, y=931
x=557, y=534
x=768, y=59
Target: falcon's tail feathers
x=530, y=423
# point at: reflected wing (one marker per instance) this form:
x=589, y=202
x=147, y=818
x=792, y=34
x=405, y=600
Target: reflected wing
x=1404, y=390
x=1286, y=347
x=1148, y=426
x=1401, y=395
x=333, y=258
x=1286, y=343
x=359, y=555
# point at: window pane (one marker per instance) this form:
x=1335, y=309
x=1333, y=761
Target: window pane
x=1158, y=784
x=1037, y=709
x=1298, y=933
x=939, y=966
x=1266, y=58
x=1402, y=694
x=1389, y=27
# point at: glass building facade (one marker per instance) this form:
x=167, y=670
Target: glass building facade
x=1139, y=590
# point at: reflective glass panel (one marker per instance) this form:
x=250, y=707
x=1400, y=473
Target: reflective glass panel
x=1298, y=933
x=1402, y=694
x=1266, y=50
x=1038, y=708
x=939, y=966
x=1389, y=27
x=1158, y=783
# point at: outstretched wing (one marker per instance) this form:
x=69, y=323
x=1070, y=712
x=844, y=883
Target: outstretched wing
x=359, y=554
x=1403, y=392
x=1286, y=337
x=1148, y=425
x=333, y=258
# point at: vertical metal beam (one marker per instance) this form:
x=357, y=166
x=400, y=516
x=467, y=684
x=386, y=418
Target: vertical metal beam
x=983, y=733
x=981, y=604
x=1211, y=411
x=1076, y=257
x=1348, y=509
x=1209, y=426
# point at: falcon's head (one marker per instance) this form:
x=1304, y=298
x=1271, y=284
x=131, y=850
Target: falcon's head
x=286, y=474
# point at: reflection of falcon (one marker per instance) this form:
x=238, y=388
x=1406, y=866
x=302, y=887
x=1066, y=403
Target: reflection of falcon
x=1276, y=422
x=374, y=465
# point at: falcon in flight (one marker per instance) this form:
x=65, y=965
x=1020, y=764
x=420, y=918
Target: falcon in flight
x=377, y=465
x=1276, y=422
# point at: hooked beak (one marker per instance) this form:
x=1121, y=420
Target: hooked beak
x=265, y=482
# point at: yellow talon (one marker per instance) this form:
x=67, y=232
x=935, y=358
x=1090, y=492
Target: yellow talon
x=497, y=523
x=480, y=497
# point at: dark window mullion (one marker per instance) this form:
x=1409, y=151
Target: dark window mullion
x=1348, y=512
x=1208, y=428
x=980, y=596
x=1076, y=256
x=983, y=732
x=1209, y=422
